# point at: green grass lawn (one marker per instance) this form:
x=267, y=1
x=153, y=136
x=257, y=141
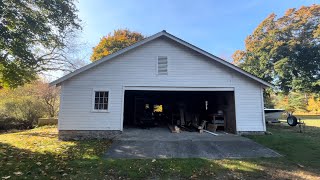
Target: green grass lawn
x=38, y=154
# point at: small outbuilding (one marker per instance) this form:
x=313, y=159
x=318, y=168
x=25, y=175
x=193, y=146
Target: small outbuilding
x=159, y=81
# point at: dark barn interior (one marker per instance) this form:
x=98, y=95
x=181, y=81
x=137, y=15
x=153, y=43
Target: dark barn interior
x=186, y=110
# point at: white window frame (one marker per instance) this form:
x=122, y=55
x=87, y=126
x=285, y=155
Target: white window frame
x=94, y=90
x=157, y=64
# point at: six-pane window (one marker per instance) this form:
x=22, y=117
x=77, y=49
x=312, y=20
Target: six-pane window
x=101, y=100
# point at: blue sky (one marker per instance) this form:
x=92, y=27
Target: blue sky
x=217, y=26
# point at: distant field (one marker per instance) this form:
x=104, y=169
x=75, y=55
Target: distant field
x=303, y=117
x=309, y=120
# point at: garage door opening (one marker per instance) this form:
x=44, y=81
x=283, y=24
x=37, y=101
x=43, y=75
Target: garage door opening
x=188, y=110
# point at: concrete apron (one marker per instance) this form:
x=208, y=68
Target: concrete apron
x=161, y=143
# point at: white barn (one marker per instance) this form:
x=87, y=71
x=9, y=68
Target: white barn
x=99, y=99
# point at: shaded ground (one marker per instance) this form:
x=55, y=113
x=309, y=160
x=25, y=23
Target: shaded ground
x=37, y=154
x=300, y=148
x=160, y=143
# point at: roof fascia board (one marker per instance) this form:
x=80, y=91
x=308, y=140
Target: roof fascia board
x=218, y=59
x=148, y=39
x=84, y=68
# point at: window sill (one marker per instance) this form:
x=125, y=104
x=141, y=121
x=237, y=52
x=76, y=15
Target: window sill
x=100, y=111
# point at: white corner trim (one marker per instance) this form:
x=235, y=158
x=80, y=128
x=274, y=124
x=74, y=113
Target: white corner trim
x=262, y=107
x=122, y=109
x=60, y=106
x=235, y=108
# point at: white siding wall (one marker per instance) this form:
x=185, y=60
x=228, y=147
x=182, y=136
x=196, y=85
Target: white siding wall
x=138, y=68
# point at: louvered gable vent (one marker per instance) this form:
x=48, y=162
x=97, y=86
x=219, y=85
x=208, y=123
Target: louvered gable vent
x=162, y=65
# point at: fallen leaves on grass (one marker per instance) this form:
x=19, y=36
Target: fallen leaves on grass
x=18, y=173
x=38, y=152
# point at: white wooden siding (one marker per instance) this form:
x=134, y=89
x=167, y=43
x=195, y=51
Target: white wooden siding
x=138, y=67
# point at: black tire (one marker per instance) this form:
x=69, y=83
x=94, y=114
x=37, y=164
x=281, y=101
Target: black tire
x=292, y=121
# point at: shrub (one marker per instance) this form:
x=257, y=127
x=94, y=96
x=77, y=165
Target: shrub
x=7, y=123
x=25, y=109
x=20, y=108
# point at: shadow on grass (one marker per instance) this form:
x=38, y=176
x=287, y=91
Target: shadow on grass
x=300, y=148
x=84, y=160
x=73, y=163
x=36, y=134
x=77, y=160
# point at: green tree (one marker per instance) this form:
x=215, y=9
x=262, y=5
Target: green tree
x=33, y=35
x=285, y=50
x=111, y=43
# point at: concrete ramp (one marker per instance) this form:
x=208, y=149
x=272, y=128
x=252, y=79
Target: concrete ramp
x=160, y=143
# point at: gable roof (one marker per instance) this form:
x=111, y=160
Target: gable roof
x=150, y=38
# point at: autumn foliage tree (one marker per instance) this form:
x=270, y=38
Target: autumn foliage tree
x=285, y=50
x=314, y=104
x=111, y=43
